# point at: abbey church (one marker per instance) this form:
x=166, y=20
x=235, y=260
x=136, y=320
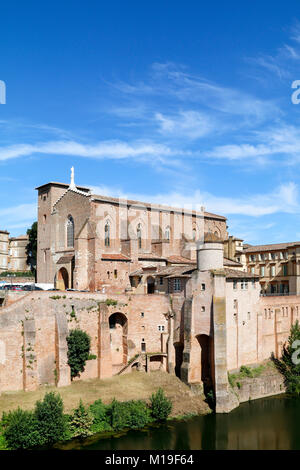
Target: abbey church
x=99, y=243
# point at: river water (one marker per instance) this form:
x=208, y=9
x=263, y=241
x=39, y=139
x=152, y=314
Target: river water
x=266, y=424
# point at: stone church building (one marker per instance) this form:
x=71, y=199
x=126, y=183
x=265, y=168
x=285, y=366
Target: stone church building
x=99, y=243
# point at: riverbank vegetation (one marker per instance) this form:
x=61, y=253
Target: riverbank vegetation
x=125, y=387
x=47, y=423
x=247, y=372
x=289, y=364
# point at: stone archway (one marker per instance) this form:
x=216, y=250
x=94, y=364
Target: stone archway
x=150, y=285
x=118, y=326
x=62, y=279
x=205, y=343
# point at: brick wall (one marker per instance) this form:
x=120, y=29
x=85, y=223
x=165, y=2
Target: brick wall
x=33, y=335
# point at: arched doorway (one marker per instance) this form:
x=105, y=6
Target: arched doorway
x=178, y=358
x=62, y=279
x=150, y=285
x=205, y=343
x=118, y=326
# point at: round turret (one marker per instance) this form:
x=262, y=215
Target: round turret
x=210, y=253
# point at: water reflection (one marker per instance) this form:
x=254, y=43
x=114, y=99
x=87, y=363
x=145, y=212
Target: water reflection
x=270, y=423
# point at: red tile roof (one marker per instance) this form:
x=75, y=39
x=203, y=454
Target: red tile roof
x=237, y=274
x=230, y=262
x=115, y=257
x=174, y=259
x=151, y=256
x=275, y=246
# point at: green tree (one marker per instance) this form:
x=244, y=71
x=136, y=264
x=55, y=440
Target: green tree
x=289, y=364
x=51, y=420
x=31, y=247
x=79, y=344
x=21, y=430
x=160, y=405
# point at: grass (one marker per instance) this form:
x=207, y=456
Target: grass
x=132, y=386
x=247, y=372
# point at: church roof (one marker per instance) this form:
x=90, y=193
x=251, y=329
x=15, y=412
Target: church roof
x=150, y=205
x=62, y=185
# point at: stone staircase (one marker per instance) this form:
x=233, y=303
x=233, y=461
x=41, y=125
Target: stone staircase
x=140, y=359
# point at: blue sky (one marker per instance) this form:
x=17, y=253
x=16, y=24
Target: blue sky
x=175, y=102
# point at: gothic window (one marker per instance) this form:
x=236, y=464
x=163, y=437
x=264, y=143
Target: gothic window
x=107, y=234
x=139, y=236
x=70, y=231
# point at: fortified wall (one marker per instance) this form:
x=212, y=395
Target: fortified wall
x=198, y=335
x=33, y=332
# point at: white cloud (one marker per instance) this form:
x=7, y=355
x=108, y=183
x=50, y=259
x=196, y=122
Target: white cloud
x=172, y=80
x=113, y=150
x=18, y=217
x=191, y=124
x=20, y=212
x=282, y=63
x=283, y=142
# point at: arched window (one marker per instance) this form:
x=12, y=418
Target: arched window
x=70, y=231
x=107, y=234
x=167, y=233
x=139, y=235
x=194, y=234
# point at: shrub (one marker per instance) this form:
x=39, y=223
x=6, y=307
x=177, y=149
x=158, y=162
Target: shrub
x=245, y=372
x=100, y=421
x=129, y=414
x=3, y=443
x=139, y=414
x=51, y=420
x=111, y=302
x=160, y=405
x=81, y=421
x=231, y=379
x=79, y=344
x=289, y=365
x=210, y=398
x=118, y=415
x=21, y=430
